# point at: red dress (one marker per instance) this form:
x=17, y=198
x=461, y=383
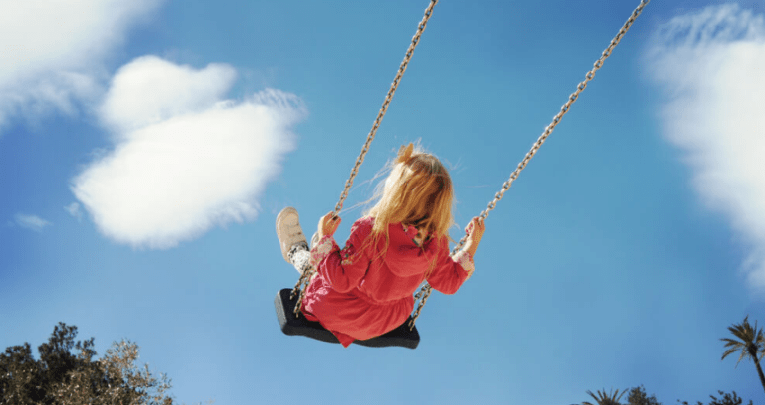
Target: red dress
x=358, y=294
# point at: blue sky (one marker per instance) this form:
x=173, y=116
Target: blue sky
x=146, y=148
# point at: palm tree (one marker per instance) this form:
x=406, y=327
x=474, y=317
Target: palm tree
x=603, y=399
x=751, y=343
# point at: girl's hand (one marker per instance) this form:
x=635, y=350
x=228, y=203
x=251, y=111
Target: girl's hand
x=475, y=230
x=328, y=224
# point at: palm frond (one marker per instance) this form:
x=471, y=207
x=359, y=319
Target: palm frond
x=727, y=352
x=731, y=342
x=604, y=398
x=743, y=354
x=751, y=341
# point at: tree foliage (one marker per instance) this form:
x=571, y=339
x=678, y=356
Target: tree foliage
x=726, y=399
x=604, y=398
x=638, y=396
x=68, y=373
x=750, y=343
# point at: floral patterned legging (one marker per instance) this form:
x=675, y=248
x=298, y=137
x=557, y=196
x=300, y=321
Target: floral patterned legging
x=300, y=257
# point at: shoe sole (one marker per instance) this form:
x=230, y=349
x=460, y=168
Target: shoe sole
x=282, y=215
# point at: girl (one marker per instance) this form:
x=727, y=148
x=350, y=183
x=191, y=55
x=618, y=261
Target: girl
x=365, y=289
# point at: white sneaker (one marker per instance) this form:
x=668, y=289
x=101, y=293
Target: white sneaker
x=289, y=231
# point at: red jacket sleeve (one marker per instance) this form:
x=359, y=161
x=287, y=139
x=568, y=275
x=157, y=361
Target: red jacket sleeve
x=344, y=268
x=450, y=271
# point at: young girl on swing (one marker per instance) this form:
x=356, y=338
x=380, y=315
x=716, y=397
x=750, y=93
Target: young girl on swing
x=365, y=289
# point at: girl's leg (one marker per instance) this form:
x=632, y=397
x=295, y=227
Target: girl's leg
x=300, y=254
x=300, y=257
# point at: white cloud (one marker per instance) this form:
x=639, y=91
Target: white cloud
x=185, y=160
x=32, y=222
x=711, y=65
x=150, y=90
x=52, y=52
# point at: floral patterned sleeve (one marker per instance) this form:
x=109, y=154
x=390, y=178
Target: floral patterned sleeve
x=343, y=268
x=451, y=271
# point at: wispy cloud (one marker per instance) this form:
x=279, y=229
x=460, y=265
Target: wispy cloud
x=32, y=222
x=711, y=66
x=185, y=160
x=52, y=53
x=74, y=210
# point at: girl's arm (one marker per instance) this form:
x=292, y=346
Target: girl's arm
x=343, y=268
x=475, y=230
x=452, y=271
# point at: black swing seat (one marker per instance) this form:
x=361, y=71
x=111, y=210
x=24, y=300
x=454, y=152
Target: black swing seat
x=299, y=326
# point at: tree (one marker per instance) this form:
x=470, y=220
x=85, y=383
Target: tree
x=751, y=343
x=64, y=376
x=726, y=399
x=605, y=399
x=638, y=396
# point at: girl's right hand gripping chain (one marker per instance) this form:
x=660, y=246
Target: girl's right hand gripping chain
x=474, y=230
x=328, y=224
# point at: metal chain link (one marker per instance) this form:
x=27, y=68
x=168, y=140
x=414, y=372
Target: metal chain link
x=427, y=289
x=301, y=286
x=422, y=296
x=306, y=276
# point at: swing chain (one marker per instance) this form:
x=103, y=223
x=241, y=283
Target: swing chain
x=300, y=288
x=427, y=289
x=423, y=297
x=305, y=278
x=386, y=103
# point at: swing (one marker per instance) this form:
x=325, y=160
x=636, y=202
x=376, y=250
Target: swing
x=292, y=325
x=289, y=301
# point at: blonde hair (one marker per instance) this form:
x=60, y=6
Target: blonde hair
x=418, y=192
